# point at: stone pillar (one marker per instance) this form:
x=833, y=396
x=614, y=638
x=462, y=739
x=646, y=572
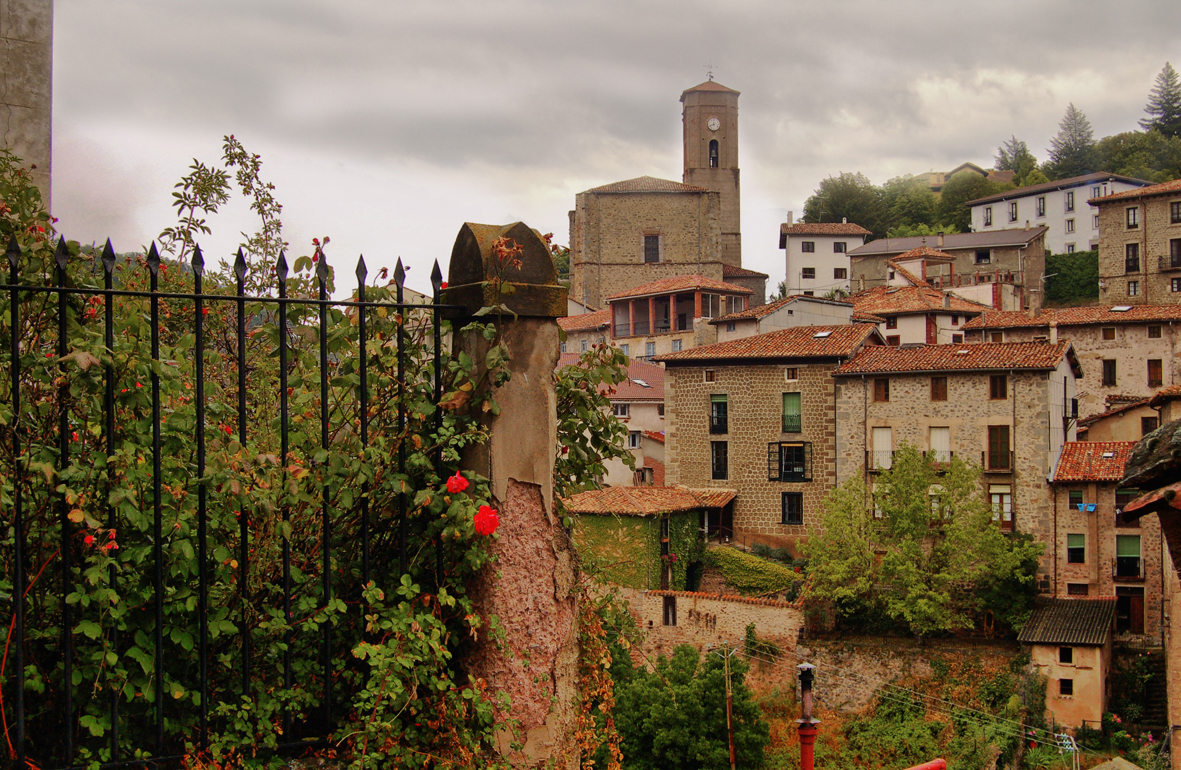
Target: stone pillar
x=26, y=45
x=696, y=305
x=530, y=588
x=652, y=315
x=631, y=318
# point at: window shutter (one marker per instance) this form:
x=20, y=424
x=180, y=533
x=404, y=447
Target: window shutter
x=1127, y=545
x=773, y=472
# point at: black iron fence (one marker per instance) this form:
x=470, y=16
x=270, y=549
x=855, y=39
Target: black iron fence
x=142, y=619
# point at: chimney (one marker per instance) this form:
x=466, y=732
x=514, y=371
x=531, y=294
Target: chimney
x=946, y=301
x=1053, y=332
x=1027, y=224
x=844, y=220
x=940, y=241
x=790, y=214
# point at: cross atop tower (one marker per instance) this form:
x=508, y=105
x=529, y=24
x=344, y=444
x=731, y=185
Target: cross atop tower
x=709, y=71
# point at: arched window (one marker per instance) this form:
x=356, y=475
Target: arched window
x=713, y=153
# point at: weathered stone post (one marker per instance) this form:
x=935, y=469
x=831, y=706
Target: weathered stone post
x=531, y=586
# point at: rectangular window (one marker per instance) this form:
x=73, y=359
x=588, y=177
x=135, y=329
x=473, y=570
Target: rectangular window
x=791, y=373
x=1001, y=497
x=808, y=247
x=838, y=247
x=1069, y=201
x=1013, y=211
x=793, y=419
x=793, y=508
x=1127, y=556
x=1066, y=655
x=988, y=216
x=633, y=439
x=840, y=273
x=1175, y=252
x=881, y=389
x=998, y=387
x=1129, y=610
x=719, y=413
x=1155, y=376
x=939, y=388
x=983, y=256
x=583, y=346
x=1148, y=425
x=622, y=410
x=808, y=273
x=999, y=456
x=892, y=322
x=1175, y=284
x=660, y=409
x=1076, y=549
x=996, y=336
x=940, y=441
x=678, y=345
x=1154, y=332
x=1076, y=498
x=651, y=248
x=1077, y=589
x=1108, y=333
x=1070, y=248
x=709, y=375
x=649, y=349
x=893, y=340
x=1175, y=213
x=670, y=610
x=1109, y=372
x=1133, y=216
x=1133, y=288
x=1095, y=222
x=719, y=460
x=957, y=339
x=1095, y=191
x=1131, y=258
x=883, y=448
x=1041, y=206
x=1066, y=688
x=626, y=348
x=1070, y=225
x=789, y=461
x=562, y=347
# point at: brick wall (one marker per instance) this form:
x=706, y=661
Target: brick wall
x=755, y=405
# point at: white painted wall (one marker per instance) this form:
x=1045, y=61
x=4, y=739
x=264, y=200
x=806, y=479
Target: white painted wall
x=824, y=260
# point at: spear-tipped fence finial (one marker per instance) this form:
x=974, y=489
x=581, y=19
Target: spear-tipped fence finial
x=322, y=265
x=400, y=273
x=362, y=271
x=62, y=255
x=108, y=257
x=153, y=259
x=240, y=265
x=281, y=267
x=437, y=278
x=198, y=261
x=13, y=252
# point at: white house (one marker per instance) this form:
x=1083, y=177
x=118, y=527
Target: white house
x=794, y=310
x=818, y=254
x=1060, y=206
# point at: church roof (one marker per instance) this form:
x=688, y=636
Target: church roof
x=710, y=85
x=680, y=283
x=732, y=271
x=647, y=184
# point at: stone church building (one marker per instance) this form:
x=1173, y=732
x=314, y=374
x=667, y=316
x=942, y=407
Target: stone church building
x=631, y=233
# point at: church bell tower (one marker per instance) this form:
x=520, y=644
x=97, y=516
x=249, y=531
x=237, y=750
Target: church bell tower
x=710, y=117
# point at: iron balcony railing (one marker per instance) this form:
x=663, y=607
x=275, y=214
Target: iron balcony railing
x=879, y=459
x=793, y=423
x=997, y=462
x=942, y=456
x=1127, y=568
x=1169, y=262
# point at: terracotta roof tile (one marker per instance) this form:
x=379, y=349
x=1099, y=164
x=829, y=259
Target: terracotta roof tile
x=984, y=239
x=907, y=300
x=680, y=283
x=1087, y=422
x=822, y=228
x=715, y=498
x=710, y=85
x=657, y=471
x=599, y=319
x=1061, y=184
x=1075, y=316
x=1165, y=188
x=1093, y=460
x=639, y=372
x=914, y=279
x=797, y=342
x=655, y=436
x=729, y=598
x=732, y=271
x=647, y=184
x=633, y=501
x=986, y=356
x=925, y=252
x=1171, y=393
x=762, y=311
x=1075, y=622
x=866, y=318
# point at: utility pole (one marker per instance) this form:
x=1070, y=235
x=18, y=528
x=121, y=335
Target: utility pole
x=806, y=721
x=726, y=654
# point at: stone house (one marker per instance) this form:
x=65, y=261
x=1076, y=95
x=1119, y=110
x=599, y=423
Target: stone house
x=585, y=331
x=1062, y=206
x=757, y=415
x=1140, y=245
x=817, y=254
x=672, y=314
x=785, y=313
x=1097, y=552
x=998, y=268
x=916, y=314
x=1125, y=350
x=936, y=179
x=1004, y=406
x=1124, y=420
x=1070, y=642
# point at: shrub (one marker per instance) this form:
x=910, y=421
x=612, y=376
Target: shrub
x=750, y=574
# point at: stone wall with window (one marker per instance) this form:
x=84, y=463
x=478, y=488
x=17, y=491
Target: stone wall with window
x=1145, y=234
x=962, y=425
x=754, y=424
x=1088, y=559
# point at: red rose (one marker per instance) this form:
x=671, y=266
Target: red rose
x=74, y=434
x=111, y=535
x=89, y=540
x=486, y=521
x=456, y=483
x=229, y=431
x=204, y=311
x=443, y=285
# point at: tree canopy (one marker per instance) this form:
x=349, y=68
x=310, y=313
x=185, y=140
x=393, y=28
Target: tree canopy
x=1164, y=104
x=1147, y=155
x=1014, y=155
x=1072, y=152
x=933, y=558
x=965, y=186
x=848, y=196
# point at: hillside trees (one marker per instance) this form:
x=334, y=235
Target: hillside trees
x=942, y=557
x=1014, y=155
x=1072, y=151
x=965, y=186
x=1164, y=104
x=848, y=196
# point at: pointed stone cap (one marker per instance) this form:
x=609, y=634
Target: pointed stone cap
x=537, y=293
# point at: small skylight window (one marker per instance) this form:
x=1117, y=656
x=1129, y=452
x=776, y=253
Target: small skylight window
x=821, y=335
x=962, y=352
x=641, y=383
x=1121, y=308
x=1108, y=455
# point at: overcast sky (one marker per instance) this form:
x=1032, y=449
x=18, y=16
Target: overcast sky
x=387, y=124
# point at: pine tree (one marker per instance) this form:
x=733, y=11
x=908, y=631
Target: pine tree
x=1072, y=152
x=1164, y=104
x=1014, y=155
